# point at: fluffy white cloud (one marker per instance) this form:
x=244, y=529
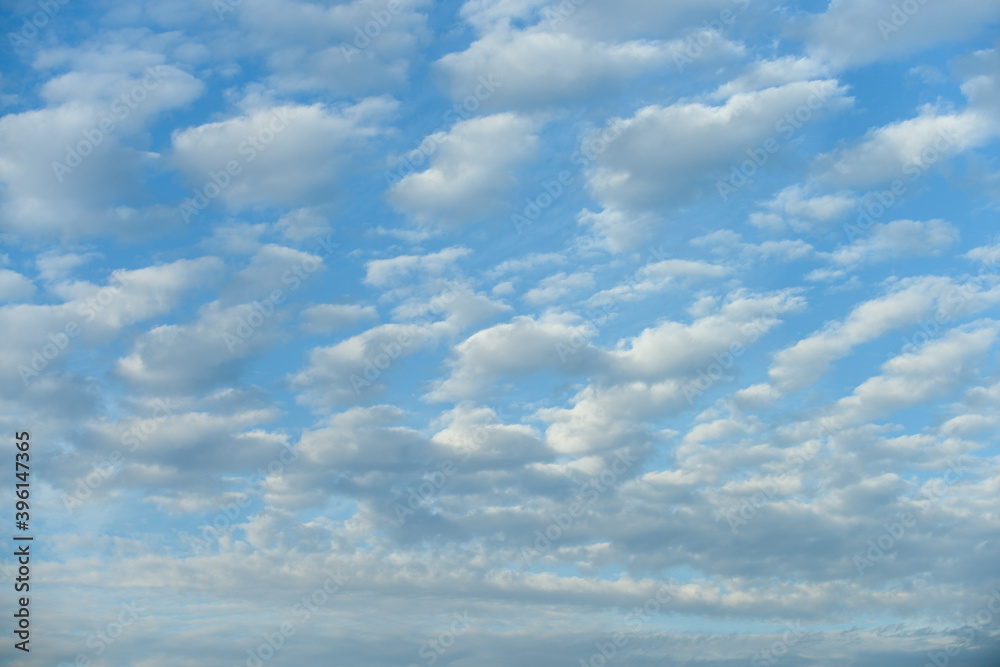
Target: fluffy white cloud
x=677, y=349
x=14, y=286
x=561, y=342
x=283, y=153
x=914, y=377
x=350, y=48
x=803, y=209
x=401, y=269
x=770, y=73
x=907, y=149
x=72, y=168
x=359, y=437
x=539, y=66
x=857, y=32
x=635, y=173
x=657, y=276
x=466, y=420
x=908, y=302
x=518, y=348
x=355, y=369
x=900, y=238
x=558, y=286
x=246, y=318
x=469, y=174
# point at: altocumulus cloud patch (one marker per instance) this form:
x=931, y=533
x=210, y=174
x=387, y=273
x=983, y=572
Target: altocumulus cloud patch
x=507, y=334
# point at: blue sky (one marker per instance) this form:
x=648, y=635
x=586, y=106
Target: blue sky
x=504, y=332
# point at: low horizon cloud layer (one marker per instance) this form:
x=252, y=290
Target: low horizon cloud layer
x=503, y=333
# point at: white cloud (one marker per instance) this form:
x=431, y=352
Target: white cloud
x=304, y=223
x=442, y=403
x=546, y=53
x=358, y=437
x=909, y=301
x=518, y=348
x=675, y=349
x=399, y=270
x=200, y=355
x=561, y=342
x=71, y=169
x=526, y=263
x=245, y=319
x=329, y=316
x=477, y=433
x=913, y=378
x=352, y=48
x=770, y=73
x=906, y=149
x=469, y=175
x=14, y=286
x=657, y=276
x=286, y=153
x=88, y=315
x=635, y=173
x=985, y=255
x=558, y=286
x=55, y=266
x=857, y=32
x=273, y=268
x=355, y=369
x=538, y=66
x=900, y=238
x=803, y=209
